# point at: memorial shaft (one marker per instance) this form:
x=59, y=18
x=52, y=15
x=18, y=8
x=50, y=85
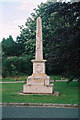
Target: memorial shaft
x=39, y=44
x=38, y=82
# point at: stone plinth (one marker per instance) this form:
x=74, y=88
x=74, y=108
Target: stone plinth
x=38, y=82
x=38, y=66
x=40, y=89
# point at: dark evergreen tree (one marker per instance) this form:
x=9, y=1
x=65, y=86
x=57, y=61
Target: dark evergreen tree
x=61, y=27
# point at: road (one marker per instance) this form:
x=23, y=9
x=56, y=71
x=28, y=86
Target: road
x=39, y=112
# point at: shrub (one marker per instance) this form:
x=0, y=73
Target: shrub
x=16, y=65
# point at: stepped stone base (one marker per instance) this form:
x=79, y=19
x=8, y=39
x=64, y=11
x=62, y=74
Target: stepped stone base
x=38, y=83
x=37, y=89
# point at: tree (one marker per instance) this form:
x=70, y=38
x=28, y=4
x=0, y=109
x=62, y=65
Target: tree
x=8, y=46
x=21, y=65
x=60, y=35
x=61, y=28
x=0, y=60
x=12, y=48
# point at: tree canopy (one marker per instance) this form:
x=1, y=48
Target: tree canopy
x=11, y=48
x=60, y=28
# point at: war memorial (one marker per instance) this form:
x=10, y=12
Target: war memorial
x=38, y=82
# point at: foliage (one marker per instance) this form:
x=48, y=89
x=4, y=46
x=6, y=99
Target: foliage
x=0, y=60
x=11, y=48
x=61, y=27
x=16, y=65
x=8, y=46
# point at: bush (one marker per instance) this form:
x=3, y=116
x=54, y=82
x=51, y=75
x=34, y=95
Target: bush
x=16, y=65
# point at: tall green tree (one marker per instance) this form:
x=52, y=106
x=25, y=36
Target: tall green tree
x=61, y=27
x=11, y=48
x=8, y=46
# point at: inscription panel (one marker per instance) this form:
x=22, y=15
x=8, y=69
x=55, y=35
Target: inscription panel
x=37, y=81
x=38, y=68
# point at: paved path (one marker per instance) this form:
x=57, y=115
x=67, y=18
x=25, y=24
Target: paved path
x=23, y=81
x=13, y=82
x=39, y=112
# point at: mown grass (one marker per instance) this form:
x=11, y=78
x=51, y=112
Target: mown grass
x=68, y=94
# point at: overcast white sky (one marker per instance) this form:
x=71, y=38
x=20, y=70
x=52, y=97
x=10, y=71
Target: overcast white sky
x=14, y=13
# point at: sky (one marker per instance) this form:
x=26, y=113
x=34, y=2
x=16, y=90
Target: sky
x=14, y=13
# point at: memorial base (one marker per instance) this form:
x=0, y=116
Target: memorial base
x=38, y=83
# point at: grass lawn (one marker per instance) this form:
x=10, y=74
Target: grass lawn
x=69, y=94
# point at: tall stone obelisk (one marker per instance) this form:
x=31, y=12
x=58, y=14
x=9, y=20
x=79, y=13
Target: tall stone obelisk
x=39, y=63
x=38, y=82
x=39, y=44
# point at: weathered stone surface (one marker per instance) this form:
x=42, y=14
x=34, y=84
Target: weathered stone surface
x=38, y=79
x=38, y=66
x=39, y=88
x=39, y=44
x=38, y=82
x=57, y=93
x=40, y=104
